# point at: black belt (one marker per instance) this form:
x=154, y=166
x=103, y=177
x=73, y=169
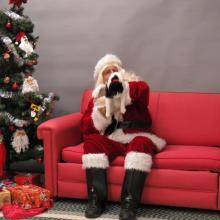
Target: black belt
x=131, y=124
x=124, y=125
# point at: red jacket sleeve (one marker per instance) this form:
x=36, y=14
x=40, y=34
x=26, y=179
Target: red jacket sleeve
x=138, y=108
x=87, y=125
x=139, y=92
x=93, y=121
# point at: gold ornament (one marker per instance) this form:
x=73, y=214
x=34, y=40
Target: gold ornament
x=35, y=111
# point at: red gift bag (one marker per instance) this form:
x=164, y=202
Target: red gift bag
x=2, y=157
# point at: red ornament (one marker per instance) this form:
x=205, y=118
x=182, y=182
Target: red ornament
x=8, y=25
x=39, y=160
x=15, y=86
x=29, y=62
x=34, y=62
x=11, y=128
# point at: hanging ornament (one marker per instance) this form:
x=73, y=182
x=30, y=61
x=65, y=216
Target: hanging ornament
x=39, y=160
x=20, y=141
x=8, y=25
x=6, y=56
x=36, y=111
x=11, y=48
x=6, y=80
x=11, y=128
x=34, y=44
x=17, y=2
x=31, y=62
x=24, y=45
x=34, y=62
x=30, y=85
x=15, y=86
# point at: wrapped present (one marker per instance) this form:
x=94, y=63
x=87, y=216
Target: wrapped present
x=5, y=197
x=6, y=183
x=30, y=196
x=28, y=178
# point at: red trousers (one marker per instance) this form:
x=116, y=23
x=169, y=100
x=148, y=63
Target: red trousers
x=96, y=143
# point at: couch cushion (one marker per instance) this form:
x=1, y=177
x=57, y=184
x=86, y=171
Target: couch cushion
x=174, y=157
x=188, y=158
x=188, y=118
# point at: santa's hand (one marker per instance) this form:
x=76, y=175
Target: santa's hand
x=113, y=89
x=111, y=128
x=98, y=91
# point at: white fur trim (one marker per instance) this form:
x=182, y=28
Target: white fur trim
x=95, y=161
x=98, y=90
x=120, y=136
x=99, y=121
x=138, y=161
x=128, y=100
x=107, y=59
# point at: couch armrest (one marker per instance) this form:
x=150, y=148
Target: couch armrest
x=56, y=134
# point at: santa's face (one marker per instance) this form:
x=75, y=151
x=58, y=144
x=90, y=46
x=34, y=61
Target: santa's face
x=24, y=39
x=108, y=71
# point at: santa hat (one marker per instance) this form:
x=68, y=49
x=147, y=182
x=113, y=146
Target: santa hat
x=108, y=59
x=19, y=36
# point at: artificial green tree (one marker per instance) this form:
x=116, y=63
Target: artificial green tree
x=22, y=106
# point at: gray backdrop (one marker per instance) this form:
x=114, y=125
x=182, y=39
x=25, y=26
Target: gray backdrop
x=173, y=44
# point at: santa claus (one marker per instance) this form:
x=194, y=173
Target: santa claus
x=24, y=44
x=106, y=137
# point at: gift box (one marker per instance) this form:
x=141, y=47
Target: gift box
x=30, y=196
x=5, y=197
x=28, y=178
x=6, y=183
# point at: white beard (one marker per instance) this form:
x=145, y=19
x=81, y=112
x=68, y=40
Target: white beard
x=30, y=85
x=26, y=46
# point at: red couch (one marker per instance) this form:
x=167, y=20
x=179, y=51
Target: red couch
x=185, y=173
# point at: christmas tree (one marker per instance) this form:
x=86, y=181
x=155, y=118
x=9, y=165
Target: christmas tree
x=22, y=106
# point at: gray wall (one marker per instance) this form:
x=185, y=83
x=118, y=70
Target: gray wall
x=173, y=44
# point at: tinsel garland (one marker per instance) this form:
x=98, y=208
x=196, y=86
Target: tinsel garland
x=48, y=99
x=18, y=122
x=13, y=15
x=6, y=95
x=8, y=42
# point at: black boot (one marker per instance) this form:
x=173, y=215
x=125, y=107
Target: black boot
x=97, y=192
x=131, y=193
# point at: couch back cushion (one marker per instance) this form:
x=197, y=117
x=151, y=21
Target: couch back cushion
x=182, y=118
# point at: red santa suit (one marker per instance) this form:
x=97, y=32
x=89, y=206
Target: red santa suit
x=133, y=142
x=136, y=142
